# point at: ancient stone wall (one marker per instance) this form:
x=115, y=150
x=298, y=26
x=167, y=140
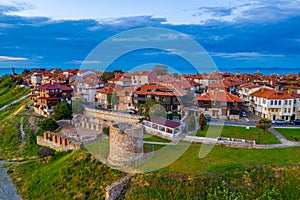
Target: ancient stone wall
x=96, y=119
x=114, y=190
x=126, y=143
x=57, y=142
x=222, y=141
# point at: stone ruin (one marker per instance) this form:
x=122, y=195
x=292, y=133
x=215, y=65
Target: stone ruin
x=126, y=143
x=58, y=142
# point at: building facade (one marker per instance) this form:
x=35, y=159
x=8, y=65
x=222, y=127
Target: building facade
x=46, y=97
x=275, y=104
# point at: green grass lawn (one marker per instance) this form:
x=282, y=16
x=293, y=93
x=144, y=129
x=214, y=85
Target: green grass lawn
x=8, y=95
x=243, y=133
x=153, y=138
x=67, y=175
x=10, y=138
x=290, y=133
x=225, y=157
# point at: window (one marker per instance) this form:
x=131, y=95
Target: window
x=271, y=102
x=279, y=102
x=285, y=102
x=264, y=101
x=275, y=103
x=294, y=109
x=295, y=101
x=290, y=102
x=285, y=110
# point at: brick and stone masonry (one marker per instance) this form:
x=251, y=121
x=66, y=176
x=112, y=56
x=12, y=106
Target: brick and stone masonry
x=126, y=143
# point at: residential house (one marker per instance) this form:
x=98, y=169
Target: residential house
x=125, y=95
x=46, y=97
x=244, y=93
x=275, y=104
x=87, y=87
x=36, y=79
x=103, y=97
x=84, y=72
x=219, y=104
x=121, y=81
x=168, y=95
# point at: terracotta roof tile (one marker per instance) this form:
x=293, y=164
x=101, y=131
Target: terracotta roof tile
x=219, y=96
x=164, y=122
x=275, y=94
x=54, y=86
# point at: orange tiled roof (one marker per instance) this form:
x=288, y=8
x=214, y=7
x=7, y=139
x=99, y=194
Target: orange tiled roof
x=219, y=96
x=106, y=91
x=160, y=90
x=275, y=94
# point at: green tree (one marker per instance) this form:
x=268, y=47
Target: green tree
x=114, y=99
x=202, y=121
x=160, y=69
x=118, y=71
x=63, y=110
x=44, y=152
x=48, y=124
x=145, y=108
x=106, y=76
x=77, y=106
x=264, y=124
x=105, y=130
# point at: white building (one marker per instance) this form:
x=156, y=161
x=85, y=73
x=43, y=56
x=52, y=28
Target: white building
x=275, y=104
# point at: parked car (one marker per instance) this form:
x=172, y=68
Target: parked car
x=209, y=118
x=243, y=114
x=279, y=122
x=295, y=122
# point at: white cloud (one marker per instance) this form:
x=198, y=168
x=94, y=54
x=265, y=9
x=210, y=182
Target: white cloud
x=9, y=58
x=85, y=62
x=246, y=55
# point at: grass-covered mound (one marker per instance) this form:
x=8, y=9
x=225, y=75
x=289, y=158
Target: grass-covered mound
x=9, y=93
x=234, y=183
x=10, y=137
x=68, y=175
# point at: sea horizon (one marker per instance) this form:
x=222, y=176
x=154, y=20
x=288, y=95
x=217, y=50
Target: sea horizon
x=264, y=71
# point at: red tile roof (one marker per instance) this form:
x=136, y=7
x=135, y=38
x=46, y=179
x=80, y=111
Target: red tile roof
x=54, y=86
x=106, y=91
x=219, y=96
x=164, y=122
x=275, y=94
x=160, y=90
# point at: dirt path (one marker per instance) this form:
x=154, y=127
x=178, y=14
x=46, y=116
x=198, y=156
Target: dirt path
x=22, y=131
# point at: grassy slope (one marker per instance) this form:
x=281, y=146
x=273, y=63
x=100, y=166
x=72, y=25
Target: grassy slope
x=290, y=134
x=221, y=157
x=235, y=183
x=11, y=94
x=10, y=138
x=243, y=133
x=75, y=175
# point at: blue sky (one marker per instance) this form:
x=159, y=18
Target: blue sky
x=239, y=35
